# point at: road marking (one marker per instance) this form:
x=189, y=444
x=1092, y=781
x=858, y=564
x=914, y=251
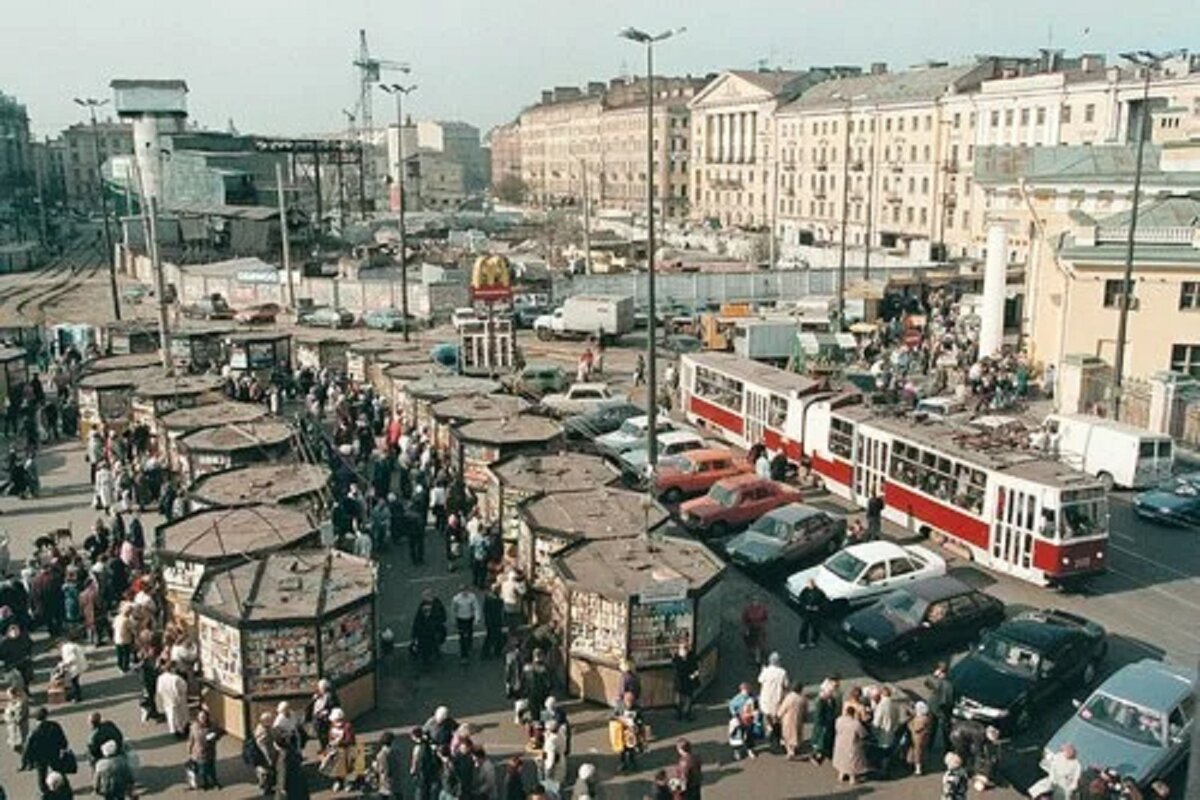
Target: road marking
x=1159, y=564
x=1125, y=537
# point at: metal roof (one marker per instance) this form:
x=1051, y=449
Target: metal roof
x=238, y=436
x=260, y=483
x=909, y=86
x=560, y=472
x=623, y=567
x=229, y=534
x=1074, y=164
x=521, y=428
x=772, y=378
x=212, y=414
x=478, y=407
x=602, y=513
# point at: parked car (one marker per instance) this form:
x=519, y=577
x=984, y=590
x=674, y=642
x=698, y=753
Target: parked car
x=605, y=419
x=632, y=434
x=694, y=472
x=444, y=354
x=733, y=503
x=580, y=398
x=1023, y=664
x=327, y=317
x=862, y=573
x=1174, y=502
x=211, y=307
x=386, y=319
x=782, y=537
x=1139, y=722
x=935, y=615
x=261, y=314
x=536, y=380
x=463, y=316
x=635, y=462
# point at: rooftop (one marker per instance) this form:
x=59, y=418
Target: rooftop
x=912, y=85
x=563, y=472
x=127, y=361
x=167, y=386
x=773, y=378
x=223, y=534
x=1168, y=233
x=223, y=412
x=620, y=568
x=238, y=436
x=465, y=408
x=439, y=387
x=299, y=586
x=601, y=513
x=518, y=429
x=260, y=483
x=1075, y=164
x=114, y=378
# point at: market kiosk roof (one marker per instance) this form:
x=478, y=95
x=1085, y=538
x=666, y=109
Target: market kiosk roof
x=468, y=408
x=439, y=387
x=122, y=362
x=167, y=386
x=239, y=436
x=403, y=354
x=373, y=345
x=221, y=534
x=222, y=412
x=518, y=429
x=621, y=568
x=11, y=354
x=114, y=379
x=559, y=472
x=601, y=513
x=260, y=483
x=289, y=586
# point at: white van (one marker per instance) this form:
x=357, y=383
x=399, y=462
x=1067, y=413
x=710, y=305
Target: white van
x=1116, y=453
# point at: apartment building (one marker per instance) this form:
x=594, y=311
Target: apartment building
x=595, y=139
x=733, y=143
x=15, y=150
x=504, y=142
x=81, y=142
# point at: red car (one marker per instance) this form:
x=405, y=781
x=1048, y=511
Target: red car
x=733, y=503
x=694, y=472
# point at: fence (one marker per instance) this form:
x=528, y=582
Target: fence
x=704, y=288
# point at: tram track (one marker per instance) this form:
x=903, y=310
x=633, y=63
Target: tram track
x=56, y=265
x=47, y=286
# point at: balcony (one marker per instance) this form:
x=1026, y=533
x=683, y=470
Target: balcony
x=951, y=201
x=819, y=194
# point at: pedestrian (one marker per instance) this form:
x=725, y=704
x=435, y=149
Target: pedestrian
x=639, y=371
x=337, y=757
x=874, y=517
x=849, y=747
x=427, y=634
x=424, y=769
x=112, y=779
x=363, y=546
x=813, y=602
x=388, y=767
x=320, y=706
x=202, y=753
x=688, y=771
x=536, y=681
x=71, y=666
x=941, y=702
x=171, y=696
x=626, y=731
x=265, y=755
x=44, y=748
x=792, y=712
x=772, y=684
x=104, y=488
x=437, y=504
x=465, y=607
x=762, y=466
x=825, y=714
x=628, y=682
x=514, y=781
x=291, y=782
x=493, y=623
x=954, y=781
x=512, y=592
x=123, y=632
x=102, y=732
x=887, y=720
x=16, y=718
x=1064, y=772
x=586, y=784
x=745, y=717
x=486, y=784
x=920, y=731
x=554, y=757
x=754, y=628
x=686, y=672
x=57, y=787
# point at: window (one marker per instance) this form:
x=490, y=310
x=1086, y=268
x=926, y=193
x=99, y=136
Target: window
x=1089, y=112
x=938, y=476
x=995, y=119
x=900, y=123
x=1189, y=295
x=1113, y=289
x=901, y=566
x=1008, y=118
x=1024, y=116
x=718, y=388
x=841, y=435
x=925, y=185
x=957, y=120
x=1185, y=358
x=1041, y=115
x=1064, y=114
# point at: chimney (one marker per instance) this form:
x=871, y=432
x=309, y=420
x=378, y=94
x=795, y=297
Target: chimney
x=879, y=68
x=566, y=93
x=1091, y=62
x=547, y=96
x=595, y=88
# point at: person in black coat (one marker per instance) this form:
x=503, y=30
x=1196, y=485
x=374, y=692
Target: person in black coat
x=687, y=678
x=813, y=602
x=493, y=623
x=45, y=746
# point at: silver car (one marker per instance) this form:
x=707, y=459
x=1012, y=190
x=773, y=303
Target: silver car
x=1138, y=722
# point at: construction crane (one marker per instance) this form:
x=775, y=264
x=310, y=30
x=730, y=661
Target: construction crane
x=370, y=69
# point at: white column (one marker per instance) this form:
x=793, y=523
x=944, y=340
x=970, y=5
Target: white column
x=1053, y=125
x=146, y=150
x=725, y=138
x=995, y=276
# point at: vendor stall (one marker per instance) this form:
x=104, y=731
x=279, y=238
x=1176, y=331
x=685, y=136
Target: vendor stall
x=416, y=397
x=477, y=445
x=362, y=354
x=260, y=353
x=179, y=423
x=235, y=445
x=300, y=485
x=406, y=358
x=269, y=629
x=322, y=350
x=471, y=408
x=636, y=599
x=122, y=362
x=106, y=398
x=197, y=346
x=153, y=399
x=514, y=480
x=123, y=337
x=14, y=372
x=199, y=544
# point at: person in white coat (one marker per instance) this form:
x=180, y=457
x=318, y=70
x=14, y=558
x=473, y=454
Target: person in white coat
x=773, y=684
x=171, y=691
x=105, y=488
x=72, y=665
x=554, y=757
x=887, y=719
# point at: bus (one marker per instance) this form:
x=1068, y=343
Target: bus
x=1016, y=511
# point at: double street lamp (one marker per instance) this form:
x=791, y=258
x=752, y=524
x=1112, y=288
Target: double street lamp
x=398, y=91
x=91, y=104
x=649, y=40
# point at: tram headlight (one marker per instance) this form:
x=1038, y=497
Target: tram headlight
x=1066, y=561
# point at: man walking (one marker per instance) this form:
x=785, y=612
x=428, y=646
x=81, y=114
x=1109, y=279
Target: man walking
x=465, y=607
x=941, y=702
x=812, y=605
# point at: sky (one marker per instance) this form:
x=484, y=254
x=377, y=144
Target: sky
x=285, y=66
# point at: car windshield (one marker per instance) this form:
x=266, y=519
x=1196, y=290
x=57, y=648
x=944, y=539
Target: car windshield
x=1183, y=487
x=1131, y=722
x=631, y=428
x=723, y=495
x=845, y=565
x=1010, y=655
x=769, y=526
x=904, y=607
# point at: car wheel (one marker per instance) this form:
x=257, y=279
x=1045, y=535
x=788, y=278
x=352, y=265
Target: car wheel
x=543, y=334
x=1106, y=478
x=672, y=495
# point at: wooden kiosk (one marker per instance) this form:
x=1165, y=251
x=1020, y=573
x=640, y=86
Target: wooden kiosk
x=195, y=347
x=417, y=397
x=300, y=485
x=199, y=544
x=271, y=627
x=131, y=336
x=14, y=372
x=521, y=477
x=398, y=362
x=234, y=445
x=106, y=398
x=477, y=445
x=182, y=421
x=155, y=398
x=321, y=350
x=471, y=408
x=636, y=599
x=260, y=353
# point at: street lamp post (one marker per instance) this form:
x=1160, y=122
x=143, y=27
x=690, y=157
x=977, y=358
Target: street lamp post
x=649, y=40
x=841, y=275
x=91, y=104
x=398, y=91
x=1148, y=62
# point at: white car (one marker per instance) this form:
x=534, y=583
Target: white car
x=582, y=398
x=671, y=445
x=632, y=434
x=862, y=573
x=463, y=316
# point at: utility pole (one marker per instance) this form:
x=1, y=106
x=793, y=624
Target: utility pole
x=587, y=220
x=41, y=197
x=641, y=37
x=1148, y=62
x=164, y=329
x=91, y=104
x=398, y=91
x=774, y=211
x=283, y=233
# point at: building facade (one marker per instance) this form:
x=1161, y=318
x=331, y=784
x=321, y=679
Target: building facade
x=82, y=170
x=504, y=142
x=16, y=163
x=458, y=142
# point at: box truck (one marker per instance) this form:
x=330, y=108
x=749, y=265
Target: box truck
x=602, y=316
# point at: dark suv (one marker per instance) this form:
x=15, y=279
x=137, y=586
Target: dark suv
x=1022, y=664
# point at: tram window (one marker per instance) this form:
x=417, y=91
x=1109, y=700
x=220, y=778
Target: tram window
x=1048, y=523
x=719, y=389
x=778, y=412
x=1080, y=519
x=840, y=437
x=1030, y=504
x=1164, y=449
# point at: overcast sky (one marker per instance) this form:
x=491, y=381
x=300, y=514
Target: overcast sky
x=284, y=66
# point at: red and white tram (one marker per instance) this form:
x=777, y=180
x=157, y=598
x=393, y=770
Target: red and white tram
x=1013, y=511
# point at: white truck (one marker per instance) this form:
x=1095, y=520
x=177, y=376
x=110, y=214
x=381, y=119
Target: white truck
x=602, y=316
x=769, y=339
x=1118, y=454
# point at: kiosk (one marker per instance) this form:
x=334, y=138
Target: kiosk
x=260, y=353
x=14, y=372
x=155, y=398
x=196, y=347
x=234, y=445
x=182, y=421
x=300, y=485
x=636, y=599
x=471, y=408
x=270, y=628
x=521, y=477
x=363, y=354
x=127, y=336
x=477, y=445
x=208, y=541
x=404, y=360
x=318, y=351
x=106, y=398
x=416, y=397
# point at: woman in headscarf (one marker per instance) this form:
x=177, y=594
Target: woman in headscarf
x=849, y=746
x=825, y=713
x=792, y=712
x=920, y=729
x=773, y=683
x=338, y=761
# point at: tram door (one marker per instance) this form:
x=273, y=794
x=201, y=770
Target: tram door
x=1014, y=528
x=870, y=467
x=756, y=415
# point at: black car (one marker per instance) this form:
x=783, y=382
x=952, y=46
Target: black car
x=1022, y=664
x=932, y=616
x=605, y=419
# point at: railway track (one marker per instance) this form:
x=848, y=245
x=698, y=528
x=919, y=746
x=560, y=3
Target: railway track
x=59, y=264
x=45, y=287
x=78, y=277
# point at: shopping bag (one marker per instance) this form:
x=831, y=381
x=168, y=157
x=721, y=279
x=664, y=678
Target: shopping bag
x=616, y=735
